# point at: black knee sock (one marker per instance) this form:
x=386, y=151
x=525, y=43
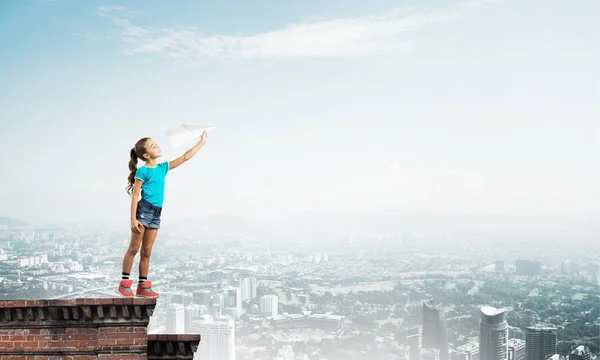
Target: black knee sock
x=125, y=276
x=142, y=279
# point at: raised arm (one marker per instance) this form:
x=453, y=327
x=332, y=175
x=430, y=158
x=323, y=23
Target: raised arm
x=190, y=153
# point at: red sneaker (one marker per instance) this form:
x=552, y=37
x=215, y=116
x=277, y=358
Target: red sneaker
x=144, y=289
x=125, y=288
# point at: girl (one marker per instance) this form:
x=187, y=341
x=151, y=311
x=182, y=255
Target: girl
x=145, y=213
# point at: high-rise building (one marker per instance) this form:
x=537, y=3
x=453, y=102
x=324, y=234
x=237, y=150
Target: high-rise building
x=246, y=288
x=216, y=310
x=234, y=298
x=202, y=297
x=456, y=355
x=218, y=338
x=414, y=343
x=187, y=299
x=435, y=335
x=175, y=319
x=177, y=298
x=219, y=299
x=225, y=295
x=468, y=351
x=517, y=349
x=493, y=334
x=540, y=341
x=580, y=352
x=429, y=354
x=192, y=312
x=253, y=285
x=269, y=304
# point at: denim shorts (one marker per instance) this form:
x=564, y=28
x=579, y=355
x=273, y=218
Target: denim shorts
x=148, y=214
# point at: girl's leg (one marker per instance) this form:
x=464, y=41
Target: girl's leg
x=144, y=288
x=132, y=250
x=134, y=247
x=146, y=251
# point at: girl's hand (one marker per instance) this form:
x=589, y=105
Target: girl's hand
x=136, y=227
x=204, y=137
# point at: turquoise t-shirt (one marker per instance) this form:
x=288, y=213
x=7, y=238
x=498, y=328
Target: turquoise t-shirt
x=153, y=182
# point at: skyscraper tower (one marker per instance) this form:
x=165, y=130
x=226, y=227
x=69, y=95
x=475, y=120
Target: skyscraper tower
x=246, y=289
x=540, y=340
x=235, y=298
x=493, y=334
x=580, y=352
x=435, y=335
x=175, y=319
x=218, y=338
x=253, y=286
x=269, y=304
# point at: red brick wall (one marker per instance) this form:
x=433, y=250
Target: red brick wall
x=86, y=329
x=75, y=329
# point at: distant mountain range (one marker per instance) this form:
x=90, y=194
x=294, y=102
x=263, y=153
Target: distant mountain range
x=343, y=223
x=6, y=221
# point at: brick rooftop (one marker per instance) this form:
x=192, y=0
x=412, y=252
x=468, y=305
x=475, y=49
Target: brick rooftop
x=85, y=329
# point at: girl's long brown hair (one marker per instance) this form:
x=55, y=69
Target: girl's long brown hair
x=137, y=152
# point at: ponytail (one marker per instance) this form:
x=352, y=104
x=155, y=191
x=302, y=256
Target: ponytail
x=136, y=153
x=133, y=160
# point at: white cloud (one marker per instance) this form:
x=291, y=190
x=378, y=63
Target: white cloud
x=476, y=3
x=110, y=11
x=321, y=38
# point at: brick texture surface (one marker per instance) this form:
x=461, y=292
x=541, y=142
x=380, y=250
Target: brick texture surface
x=86, y=329
x=78, y=329
x=172, y=346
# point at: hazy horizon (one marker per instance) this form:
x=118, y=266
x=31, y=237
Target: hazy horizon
x=455, y=107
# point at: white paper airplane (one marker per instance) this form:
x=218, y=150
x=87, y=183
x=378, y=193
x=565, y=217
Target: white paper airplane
x=185, y=133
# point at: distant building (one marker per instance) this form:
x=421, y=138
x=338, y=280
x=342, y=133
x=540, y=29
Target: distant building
x=218, y=338
x=402, y=335
x=202, y=297
x=414, y=343
x=234, y=298
x=435, y=335
x=569, y=267
x=429, y=354
x=253, y=285
x=517, y=349
x=326, y=321
x=219, y=299
x=499, y=265
x=177, y=298
x=580, y=352
x=541, y=341
x=176, y=319
x=192, y=312
x=269, y=305
x=248, y=288
x=528, y=267
x=216, y=310
x=468, y=351
x=187, y=299
x=493, y=334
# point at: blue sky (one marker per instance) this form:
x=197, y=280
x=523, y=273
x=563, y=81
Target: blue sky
x=479, y=106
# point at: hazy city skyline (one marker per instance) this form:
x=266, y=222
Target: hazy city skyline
x=480, y=106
